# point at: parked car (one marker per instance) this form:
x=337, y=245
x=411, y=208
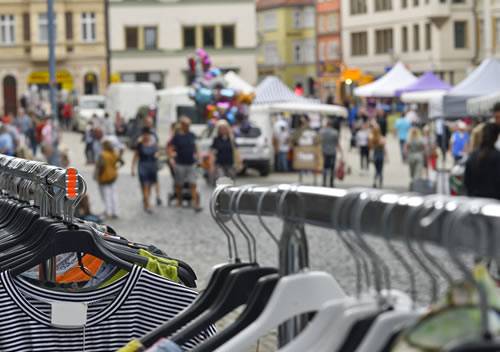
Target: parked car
x=88, y=106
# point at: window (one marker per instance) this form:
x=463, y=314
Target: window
x=309, y=51
x=271, y=55
x=189, y=37
x=404, y=39
x=26, y=27
x=332, y=22
x=359, y=44
x=88, y=27
x=383, y=41
x=43, y=28
x=309, y=15
x=228, y=36
x=68, y=23
x=322, y=51
x=428, y=36
x=358, y=7
x=297, y=52
x=7, y=29
x=416, y=37
x=333, y=50
x=209, y=37
x=460, y=34
x=404, y=4
x=269, y=21
x=383, y=5
x=150, y=38
x=297, y=18
x=131, y=38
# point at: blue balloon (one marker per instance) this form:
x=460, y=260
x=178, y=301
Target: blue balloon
x=204, y=96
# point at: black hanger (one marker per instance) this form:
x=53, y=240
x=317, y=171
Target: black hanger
x=201, y=304
x=258, y=300
x=236, y=292
x=72, y=239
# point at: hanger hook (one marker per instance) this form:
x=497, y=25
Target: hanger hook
x=260, y=204
x=231, y=241
x=253, y=241
x=232, y=211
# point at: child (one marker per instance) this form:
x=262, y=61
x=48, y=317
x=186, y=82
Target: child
x=106, y=175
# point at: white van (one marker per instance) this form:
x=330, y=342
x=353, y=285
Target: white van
x=127, y=98
x=88, y=106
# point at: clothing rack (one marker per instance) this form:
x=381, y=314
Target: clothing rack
x=300, y=205
x=56, y=191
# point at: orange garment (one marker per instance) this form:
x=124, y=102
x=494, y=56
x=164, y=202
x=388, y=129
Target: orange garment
x=76, y=274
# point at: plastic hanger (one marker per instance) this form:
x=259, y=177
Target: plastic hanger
x=214, y=287
x=294, y=295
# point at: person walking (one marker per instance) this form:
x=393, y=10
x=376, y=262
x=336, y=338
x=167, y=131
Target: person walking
x=106, y=176
x=223, y=149
x=146, y=162
x=7, y=145
x=482, y=169
x=67, y=116
x=362, y=140
x=88, y=139
x=184, y=151
x=459, y=142
x=329, y=146
x=377, y=145
x=282, y=145
x=402, y=127
x=415, y=151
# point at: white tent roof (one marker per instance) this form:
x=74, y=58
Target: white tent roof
x=305, y=108
x=482, y=81
x=421, y=97
x=237, y=83
x=386, y=86
x=273, y=90
x=482, y=105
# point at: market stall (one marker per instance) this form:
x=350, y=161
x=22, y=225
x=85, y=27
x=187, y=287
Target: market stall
x=483, y=105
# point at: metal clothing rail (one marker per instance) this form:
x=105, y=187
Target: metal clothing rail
x=316, y=206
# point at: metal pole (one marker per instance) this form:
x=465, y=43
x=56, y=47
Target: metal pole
x=108, y=47
x=52, y=60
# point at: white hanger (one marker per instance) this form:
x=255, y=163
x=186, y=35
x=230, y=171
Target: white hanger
x=294, y=295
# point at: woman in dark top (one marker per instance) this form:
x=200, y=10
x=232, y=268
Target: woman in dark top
x=482, y=170
x=223, y=149
x=146, y=158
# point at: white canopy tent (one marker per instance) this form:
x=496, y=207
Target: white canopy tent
x=482, y=105
x=422, y=97
x=237, y=83
x=386, y=86
x=303, y=108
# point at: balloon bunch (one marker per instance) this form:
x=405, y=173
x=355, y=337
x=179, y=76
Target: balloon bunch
x=213, y=98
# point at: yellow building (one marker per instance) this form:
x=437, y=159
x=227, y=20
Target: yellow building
x=80, y=47
x=287, y=41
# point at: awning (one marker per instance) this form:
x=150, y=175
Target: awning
x=386, y=86
x=304, y=108
x=423, y=97
x=482, y=105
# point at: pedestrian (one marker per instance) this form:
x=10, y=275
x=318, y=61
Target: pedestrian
x=223, y=148
x=362, y=141
x=496, y=120
x=412, y=116
x=459, y=142
x=88, y=139
x=106, y=176
x=402, y=127
x=430, y=150
x=382, y=123
x=415, y=151
x=67, y=116
x=482, y=169
x=7, y=146
x=149, y=123
x=108, y=125
x=282, y=144
x=31, y=134
x=443, y=135
x=184, y=151
x=329, y=146
x=146, y=161
x=377, y=145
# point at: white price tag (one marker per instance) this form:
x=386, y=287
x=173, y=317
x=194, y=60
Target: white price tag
x=69, y=314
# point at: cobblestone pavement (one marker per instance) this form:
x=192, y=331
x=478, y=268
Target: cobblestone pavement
x=196, y=239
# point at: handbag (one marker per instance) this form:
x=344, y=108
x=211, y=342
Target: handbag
x=340, y=173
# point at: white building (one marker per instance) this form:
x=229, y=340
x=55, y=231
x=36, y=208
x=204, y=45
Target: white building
x=438, y=35
x=152, y=39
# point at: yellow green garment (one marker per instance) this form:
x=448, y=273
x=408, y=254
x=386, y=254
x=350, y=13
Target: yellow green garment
x=164, y=267
x=132, y=346
x=456, y=318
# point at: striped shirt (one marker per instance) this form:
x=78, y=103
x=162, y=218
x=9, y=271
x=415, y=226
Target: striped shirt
x=125, y=310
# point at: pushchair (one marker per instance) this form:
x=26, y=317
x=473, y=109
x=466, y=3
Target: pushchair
x=186, y=196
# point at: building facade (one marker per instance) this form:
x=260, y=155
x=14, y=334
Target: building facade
x=80, y=47
x=328, y=46
x=287, y=41
x=438, y=35
x=151, y=40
